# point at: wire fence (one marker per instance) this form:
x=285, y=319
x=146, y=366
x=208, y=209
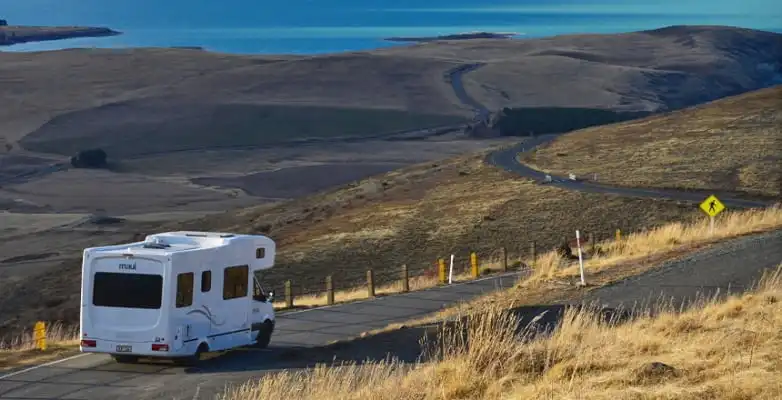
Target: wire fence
x=290, y=294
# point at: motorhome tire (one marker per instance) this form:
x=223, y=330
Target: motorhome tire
x=123, y=359
x=193, y=360
x=264, y=334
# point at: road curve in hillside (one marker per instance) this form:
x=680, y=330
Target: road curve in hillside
x=507, y=160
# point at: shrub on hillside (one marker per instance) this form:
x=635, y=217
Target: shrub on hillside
x=547, y=120
x=92, y=158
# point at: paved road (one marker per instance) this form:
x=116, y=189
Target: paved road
x=731, y=267
x=454, y=77
x=506, y=159
x=98, y=377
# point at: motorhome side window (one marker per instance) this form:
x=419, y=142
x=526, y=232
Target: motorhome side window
x=206, y=281
x=260, y=252
x=235, y=282
x=184, y=290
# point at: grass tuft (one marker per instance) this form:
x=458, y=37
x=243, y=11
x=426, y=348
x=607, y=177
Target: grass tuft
x=668, y=238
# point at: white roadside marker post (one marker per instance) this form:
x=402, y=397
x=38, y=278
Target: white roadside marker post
x=450, y=271
x=580, y=258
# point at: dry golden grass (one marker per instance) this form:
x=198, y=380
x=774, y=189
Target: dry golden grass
x=665, y=239
x=418, y=214
x=21, y=351
x=719, y=350
x=733, y=144
x=552, y=278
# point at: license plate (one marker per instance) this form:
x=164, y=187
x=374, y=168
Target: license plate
x=124, y=348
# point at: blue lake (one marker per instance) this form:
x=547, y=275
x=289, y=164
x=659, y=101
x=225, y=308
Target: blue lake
x=312, y=26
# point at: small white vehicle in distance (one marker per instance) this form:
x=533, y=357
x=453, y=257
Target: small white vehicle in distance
x=176, y=295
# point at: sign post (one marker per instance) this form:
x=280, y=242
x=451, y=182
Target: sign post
x=712, y=206
x=580, y=258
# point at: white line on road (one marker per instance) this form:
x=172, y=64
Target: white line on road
x=42, y=365
x=198, y=390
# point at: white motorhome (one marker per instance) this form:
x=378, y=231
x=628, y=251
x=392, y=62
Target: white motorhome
x=176, y=295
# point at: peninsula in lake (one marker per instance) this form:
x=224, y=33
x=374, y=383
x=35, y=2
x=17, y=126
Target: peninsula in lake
x=14, y=34
x=455, y=36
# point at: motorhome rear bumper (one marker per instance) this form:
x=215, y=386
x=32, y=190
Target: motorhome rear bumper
x=140, y=349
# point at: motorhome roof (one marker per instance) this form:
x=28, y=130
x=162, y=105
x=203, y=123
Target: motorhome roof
x=172, y=242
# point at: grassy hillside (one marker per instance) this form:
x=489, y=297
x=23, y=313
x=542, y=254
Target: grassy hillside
x=413, y=216
x=117, y=88
x=654, y=70
x=418, y=214
x=733, y=144
x=118, y=94
x=142, y=128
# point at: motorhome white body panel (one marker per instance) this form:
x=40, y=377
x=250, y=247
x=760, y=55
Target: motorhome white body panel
x=174, y=293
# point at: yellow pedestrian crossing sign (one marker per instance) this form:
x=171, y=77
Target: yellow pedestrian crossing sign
x=712, y=206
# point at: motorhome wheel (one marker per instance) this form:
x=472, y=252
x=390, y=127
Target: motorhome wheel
x=264, y=334
x=193, y=360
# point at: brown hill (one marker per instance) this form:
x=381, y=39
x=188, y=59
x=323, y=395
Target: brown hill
x=650, y=70
x=733, y=144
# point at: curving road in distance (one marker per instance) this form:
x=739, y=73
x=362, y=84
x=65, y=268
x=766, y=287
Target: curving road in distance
x=507, y=159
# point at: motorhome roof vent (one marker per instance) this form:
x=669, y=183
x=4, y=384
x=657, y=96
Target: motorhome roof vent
x=156, y=244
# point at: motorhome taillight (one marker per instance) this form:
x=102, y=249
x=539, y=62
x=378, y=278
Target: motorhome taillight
x=159, y=347
x=88, y=343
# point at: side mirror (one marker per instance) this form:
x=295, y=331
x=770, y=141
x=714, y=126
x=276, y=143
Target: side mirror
x=270, y=296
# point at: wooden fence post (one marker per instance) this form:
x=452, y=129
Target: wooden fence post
x=618, y=235
x=474, y=262
x=329, y=290
x=288, y=294
x=533, y=249
x=593, y=244
x=504, y=259
x=370, y=284
x=405, y=279
x=441, y=270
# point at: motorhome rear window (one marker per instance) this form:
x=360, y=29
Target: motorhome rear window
x=112, y=289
